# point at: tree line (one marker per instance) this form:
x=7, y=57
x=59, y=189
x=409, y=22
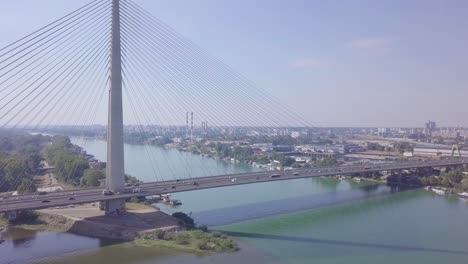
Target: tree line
x=20, y=156
x=70, y=166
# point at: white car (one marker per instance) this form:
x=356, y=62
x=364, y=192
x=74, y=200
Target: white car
x=234, y=179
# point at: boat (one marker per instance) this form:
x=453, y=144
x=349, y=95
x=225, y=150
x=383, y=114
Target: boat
x=438, y=191
x=175, y=202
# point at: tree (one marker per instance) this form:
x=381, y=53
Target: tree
x=70, y=167
x=130, y=179
x=91, y=177
x=26, y=186
x=454, y=176
x=325, y=162
x=13, y=169
x=184, y=219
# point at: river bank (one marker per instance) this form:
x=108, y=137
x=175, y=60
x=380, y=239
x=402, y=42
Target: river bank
x=142, y=224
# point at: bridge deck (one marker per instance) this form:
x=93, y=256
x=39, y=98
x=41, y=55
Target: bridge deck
x=79, y=196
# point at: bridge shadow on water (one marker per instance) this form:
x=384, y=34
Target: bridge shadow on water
x=341, y=243
x=258, y=210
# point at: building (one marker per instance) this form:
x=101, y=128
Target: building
x=382, y=131
x=438, y=151
x=295, y=134
x=429, y=129
x=283, y=148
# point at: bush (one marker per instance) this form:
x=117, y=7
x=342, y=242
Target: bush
x=184, y=219
x=26, y=217
x=182, y=238
x=199, y=234
x=134, y=200
x=156, y=234
x=217, y=234
x=203, y=228
x=203, y=245
x=168, y=236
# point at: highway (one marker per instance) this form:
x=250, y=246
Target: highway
x=79, y=196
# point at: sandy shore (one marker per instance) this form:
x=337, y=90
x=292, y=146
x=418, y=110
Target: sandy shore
x=88, y=220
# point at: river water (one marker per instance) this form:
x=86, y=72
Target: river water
x=298, y=221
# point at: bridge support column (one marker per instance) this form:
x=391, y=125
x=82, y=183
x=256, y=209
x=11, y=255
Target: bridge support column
x=11, y=216
x=115, y=177
x=114, y=207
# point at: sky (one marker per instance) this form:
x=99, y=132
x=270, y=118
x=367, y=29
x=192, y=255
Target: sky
x=337, y=63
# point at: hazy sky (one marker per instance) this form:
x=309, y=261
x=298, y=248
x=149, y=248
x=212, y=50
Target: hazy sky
x=338, y=63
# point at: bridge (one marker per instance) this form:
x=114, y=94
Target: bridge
x=59, y=73
x=79, y=196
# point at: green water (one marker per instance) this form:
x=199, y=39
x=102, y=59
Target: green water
x=298, y=221
x=410, y=227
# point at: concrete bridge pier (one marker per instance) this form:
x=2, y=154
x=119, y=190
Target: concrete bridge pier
x=11, y=215
x=115, y=177
x=114, y=207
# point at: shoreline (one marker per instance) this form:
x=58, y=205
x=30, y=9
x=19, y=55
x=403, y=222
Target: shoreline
x=142, y=225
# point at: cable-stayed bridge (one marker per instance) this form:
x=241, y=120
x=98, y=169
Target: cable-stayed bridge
x=59, y=76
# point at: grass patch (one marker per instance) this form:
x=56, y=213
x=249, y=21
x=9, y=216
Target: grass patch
x=31, y=221
x=3, y=222
x=36, y=227
x=192, y=241
x=158, y=243
x=138, y=206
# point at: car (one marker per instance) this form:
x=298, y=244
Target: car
x=45, y=201
x=295, y=173
x=42, y=193
x=177, y=180
x=136, y=190
x=195, y=183
x=275, y=176
x=71, y=198
x=107, y=192
x=127, y=184
x=173, y=187
x=234, y=179
x=136, y=184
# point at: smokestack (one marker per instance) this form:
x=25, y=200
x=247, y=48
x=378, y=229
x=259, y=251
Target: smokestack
x=191, y=126
x=186, y=125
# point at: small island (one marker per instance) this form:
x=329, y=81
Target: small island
x=191, y=239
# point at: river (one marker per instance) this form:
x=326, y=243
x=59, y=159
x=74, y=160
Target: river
x=298, y=221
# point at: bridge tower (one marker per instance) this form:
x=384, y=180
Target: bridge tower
x=115, y=177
